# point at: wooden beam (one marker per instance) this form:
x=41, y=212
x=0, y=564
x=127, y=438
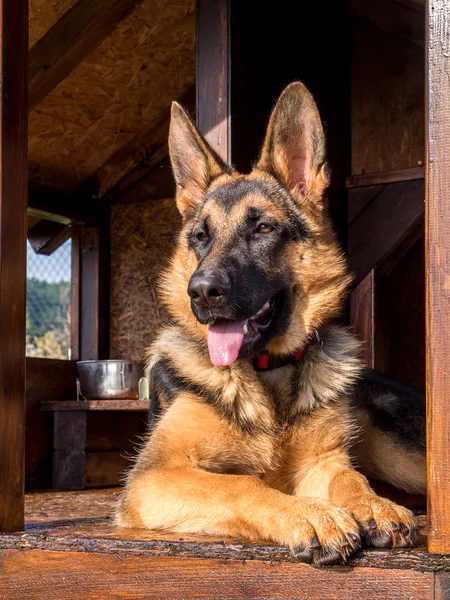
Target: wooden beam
x=213, y=70
x=53, y=205
x=437, y=244
x=13, y=236
x=383, y=177
x=135, y=160
x=79, y=31
x=362, y=316
x=47, y=236
x=383, y=224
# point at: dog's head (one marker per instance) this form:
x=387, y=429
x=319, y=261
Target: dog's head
x=257, y=265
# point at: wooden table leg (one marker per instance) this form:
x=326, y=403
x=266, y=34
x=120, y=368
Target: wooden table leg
x=69, y=443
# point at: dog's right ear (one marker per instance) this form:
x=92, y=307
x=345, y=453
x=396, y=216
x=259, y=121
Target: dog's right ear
x=194, y=162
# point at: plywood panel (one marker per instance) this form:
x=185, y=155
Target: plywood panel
x=121, y=88
x=43, y=15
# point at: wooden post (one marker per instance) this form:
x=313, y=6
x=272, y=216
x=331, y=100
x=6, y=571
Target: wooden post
x=13, y=206
x=213, y=74
x=437, y=232
x=94, y=291
x=362, y=316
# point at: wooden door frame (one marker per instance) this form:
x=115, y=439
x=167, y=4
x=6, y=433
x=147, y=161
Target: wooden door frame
x=437, y=265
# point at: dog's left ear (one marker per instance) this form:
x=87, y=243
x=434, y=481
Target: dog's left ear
x=294, y=147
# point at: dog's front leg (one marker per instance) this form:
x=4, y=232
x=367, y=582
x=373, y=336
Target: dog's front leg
x=194, y=501
x=386, y=524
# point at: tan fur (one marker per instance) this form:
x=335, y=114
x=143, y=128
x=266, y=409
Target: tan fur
x=378, y=456
x=261, y=455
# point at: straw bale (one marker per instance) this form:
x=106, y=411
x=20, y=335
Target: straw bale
x=142, y=240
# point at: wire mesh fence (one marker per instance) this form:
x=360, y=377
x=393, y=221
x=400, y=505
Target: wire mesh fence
x=48, y=302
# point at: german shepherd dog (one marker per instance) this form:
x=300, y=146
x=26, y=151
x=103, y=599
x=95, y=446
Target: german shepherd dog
x=265, y=411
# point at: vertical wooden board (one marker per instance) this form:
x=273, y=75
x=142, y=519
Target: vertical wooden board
x=75, y=296
x=13, y=203
x=94, y=291
x=387, y=88
x=213, y=74
x=362, y=316
x=437, y=224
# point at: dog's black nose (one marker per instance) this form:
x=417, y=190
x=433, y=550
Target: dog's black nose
x=208, y=288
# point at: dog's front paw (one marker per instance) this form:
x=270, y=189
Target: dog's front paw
x=386, y=524
x=319, y=532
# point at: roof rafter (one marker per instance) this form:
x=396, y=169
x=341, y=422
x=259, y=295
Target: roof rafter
x=136, y=159
x=79, y=31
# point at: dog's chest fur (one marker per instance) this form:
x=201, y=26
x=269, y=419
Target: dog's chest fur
x=237, y=420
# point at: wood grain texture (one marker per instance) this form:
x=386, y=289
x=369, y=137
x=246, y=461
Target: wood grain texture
x=213, y=65
x=13, y=228
x=46, y=379
x=437, y=231
x=387, y=87
x=394, y=17
x=106, y=468
x=97, y=405
x=79, y=31
x=75, y=296
x=82, y=521
x=47, y=236
x=117, y=91
x=393, y=176
x=121, y=577
x=362, y=316
x=383, y=224
x=134, y=160
x=94, y=291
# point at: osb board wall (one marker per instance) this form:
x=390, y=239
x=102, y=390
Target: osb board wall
x=43, y=14
x=387, y=100
x=142, y=239
x=120, y=89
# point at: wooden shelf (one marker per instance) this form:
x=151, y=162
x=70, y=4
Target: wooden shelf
x=91, y=405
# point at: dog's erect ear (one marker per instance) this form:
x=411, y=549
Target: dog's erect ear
x=194, y=163
x=294, y=147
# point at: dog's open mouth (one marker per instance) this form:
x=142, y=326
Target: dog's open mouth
x=227, y=337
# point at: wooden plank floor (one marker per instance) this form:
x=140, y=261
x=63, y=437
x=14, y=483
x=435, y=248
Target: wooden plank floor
x=82, y=522
x=71, y=549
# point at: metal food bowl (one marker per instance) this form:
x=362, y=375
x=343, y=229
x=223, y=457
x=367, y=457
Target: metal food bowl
x=109, y=379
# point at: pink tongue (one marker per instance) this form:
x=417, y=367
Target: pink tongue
x=225, y=339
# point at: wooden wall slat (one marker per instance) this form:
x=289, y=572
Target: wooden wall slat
x=437, y=227
x=13, y=231
x=362, y=316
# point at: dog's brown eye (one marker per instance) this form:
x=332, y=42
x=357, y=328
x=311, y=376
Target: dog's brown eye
x=264, y=228
x=201, y=236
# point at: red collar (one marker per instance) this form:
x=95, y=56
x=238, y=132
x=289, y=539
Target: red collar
x=267, y=362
